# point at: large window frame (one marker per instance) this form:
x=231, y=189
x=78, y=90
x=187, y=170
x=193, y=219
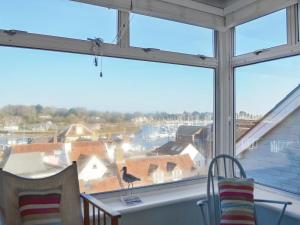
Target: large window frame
x=292, y=48
x=223, y=63
x=122, y=49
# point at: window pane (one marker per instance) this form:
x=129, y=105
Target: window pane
x=59, y=18
x=150, y=32
x=267, y=122
x=156, y=119
x=264, y=32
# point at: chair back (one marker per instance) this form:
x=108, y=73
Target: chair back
x=222, y=166
x=67, y=180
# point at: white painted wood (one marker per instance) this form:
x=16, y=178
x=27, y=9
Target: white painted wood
x=236, y=5
x=123, y=38
x=224, y=94
x=292, y=25
x=163, y=10
x=255, y=10
x=266, y=55
x=52, y=43
x=198, y=6
x=216, y=3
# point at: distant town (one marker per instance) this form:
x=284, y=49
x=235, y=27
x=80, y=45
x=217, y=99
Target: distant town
x=38, y=141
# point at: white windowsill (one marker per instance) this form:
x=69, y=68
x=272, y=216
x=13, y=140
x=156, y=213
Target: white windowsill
x=157, y=196
x=166, y=194
x=263, y=192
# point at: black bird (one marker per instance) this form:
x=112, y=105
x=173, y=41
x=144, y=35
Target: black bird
x=129, y=178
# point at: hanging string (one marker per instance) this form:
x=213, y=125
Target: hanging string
x=98, y=42
x=97, y=45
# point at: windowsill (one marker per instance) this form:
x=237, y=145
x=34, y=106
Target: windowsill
x=157, y=195
x=263, y=192
x=167, y=194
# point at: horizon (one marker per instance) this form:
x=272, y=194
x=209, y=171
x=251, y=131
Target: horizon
x=52, y=78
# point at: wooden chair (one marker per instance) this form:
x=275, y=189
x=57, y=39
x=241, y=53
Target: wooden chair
x=225, y=166
x=70, y=205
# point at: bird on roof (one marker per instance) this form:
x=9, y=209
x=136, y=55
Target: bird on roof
x=129, y=178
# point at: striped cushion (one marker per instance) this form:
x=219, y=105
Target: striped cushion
x=40, y=207
x=237, y=204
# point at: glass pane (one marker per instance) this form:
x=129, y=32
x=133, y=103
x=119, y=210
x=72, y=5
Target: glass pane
x=155, y=119
x=59, y=18
x=264, y=32
x=150, y=32
x=267, y=122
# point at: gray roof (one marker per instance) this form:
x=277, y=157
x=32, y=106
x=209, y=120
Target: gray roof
x=171, y=148
x=26, y=163
x=188, y=130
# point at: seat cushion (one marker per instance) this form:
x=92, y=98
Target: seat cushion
x=40, y=207
x=237, y=202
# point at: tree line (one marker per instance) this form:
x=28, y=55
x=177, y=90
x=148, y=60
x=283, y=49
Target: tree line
x=24, y=114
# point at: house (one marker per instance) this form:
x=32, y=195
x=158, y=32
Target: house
x=11, y=128
x=105, y=184
x=86, y=148
x=200, y=136
x=32, y=160
x=182, y=148
x=49, y=158
x=38, y=168
x=243, y=126
x=269, y=151
x=189, y=134
x=160, y=169
x=91, y=168
x=75, y=132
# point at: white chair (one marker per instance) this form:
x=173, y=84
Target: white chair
x=225, y=166
x=70, y=205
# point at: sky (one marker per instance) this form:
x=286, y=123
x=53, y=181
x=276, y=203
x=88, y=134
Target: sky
x=71, y=80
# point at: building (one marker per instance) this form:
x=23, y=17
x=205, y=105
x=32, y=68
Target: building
x=182, y=148
x=36, y=160
x=270, y=150
x=49, y=158
x=188, y=134
x=201, y=137
x=160, y=169
x=75, y=132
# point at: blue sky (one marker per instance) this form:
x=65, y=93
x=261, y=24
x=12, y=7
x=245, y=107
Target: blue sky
x=70, y=80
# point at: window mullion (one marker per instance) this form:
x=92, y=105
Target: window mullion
x=292, y=33
x=123, y=29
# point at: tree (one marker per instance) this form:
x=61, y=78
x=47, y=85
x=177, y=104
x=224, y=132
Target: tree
x=39, y=109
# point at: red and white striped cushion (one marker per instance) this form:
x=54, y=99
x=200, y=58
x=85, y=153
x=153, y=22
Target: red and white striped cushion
x=40, y=207
x=237, y=203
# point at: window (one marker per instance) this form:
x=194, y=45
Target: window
x=150, y=32
x=59, y=18
x=129, y=117
x=265, y=32
x=267, y=122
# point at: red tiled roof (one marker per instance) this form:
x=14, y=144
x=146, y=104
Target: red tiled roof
x=139, y=167
x=87, y=148
x=103, y=185
x=44, y=147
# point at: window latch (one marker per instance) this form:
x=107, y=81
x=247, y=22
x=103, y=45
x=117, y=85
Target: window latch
x=14, y=32
x=203, y=57
x=150, y=49
x=258, y=52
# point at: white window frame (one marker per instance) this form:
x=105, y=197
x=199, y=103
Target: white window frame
x=122, y=49
x=223, y=63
